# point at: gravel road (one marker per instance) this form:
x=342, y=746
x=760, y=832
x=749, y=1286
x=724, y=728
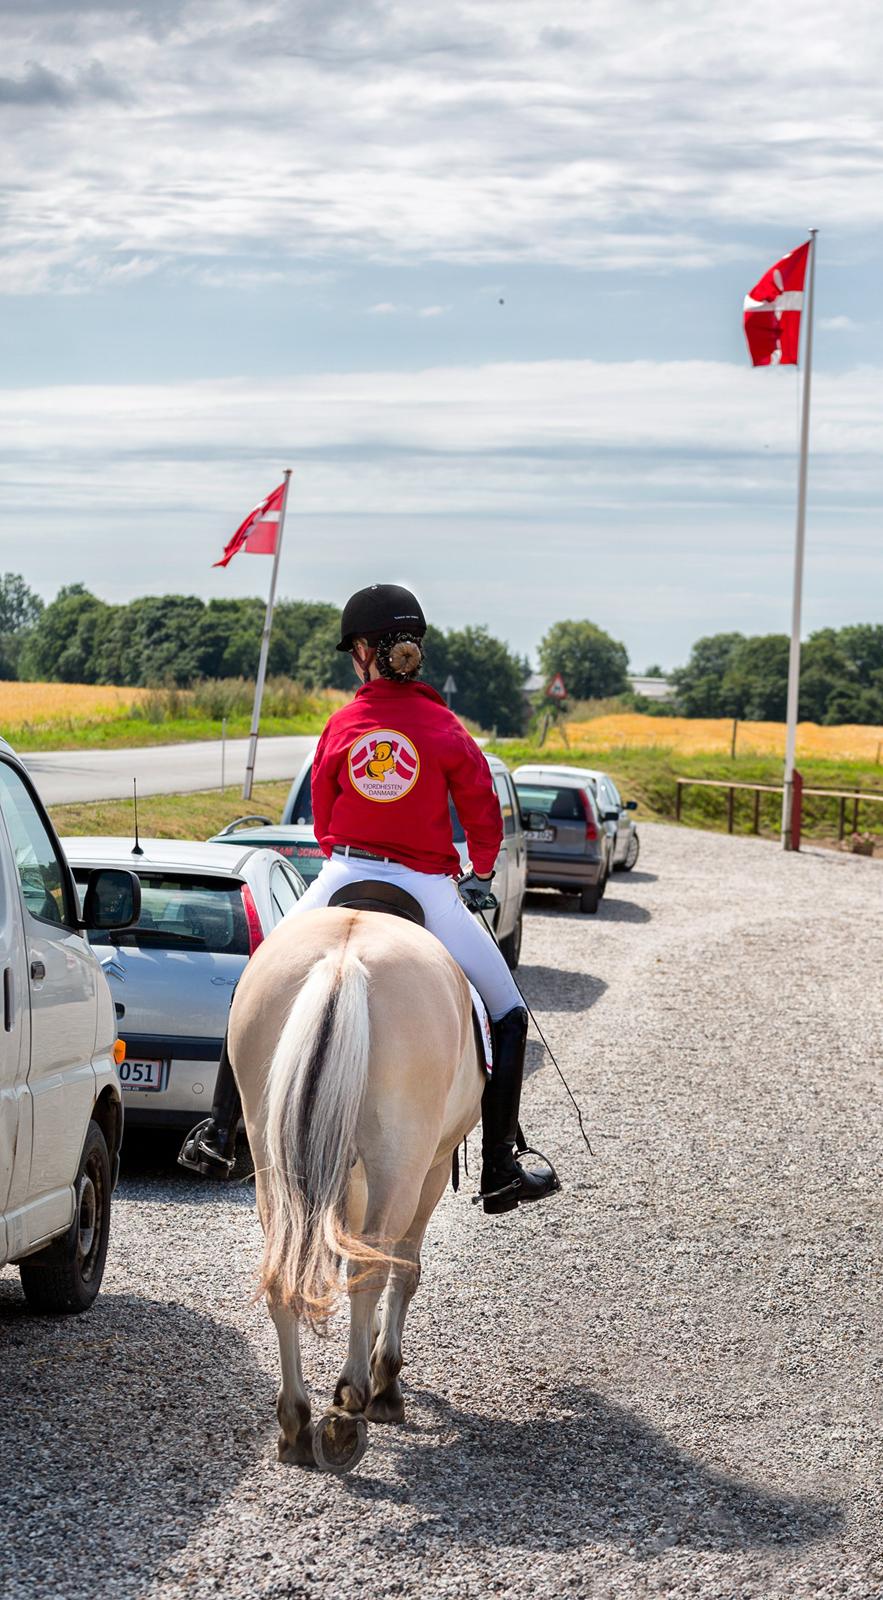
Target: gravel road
x=663, y=1382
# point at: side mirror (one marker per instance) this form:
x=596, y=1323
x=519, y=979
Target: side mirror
x=112, y=898
x=630, y=805
x=536, y=821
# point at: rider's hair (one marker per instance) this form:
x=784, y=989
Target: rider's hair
x=399, y=656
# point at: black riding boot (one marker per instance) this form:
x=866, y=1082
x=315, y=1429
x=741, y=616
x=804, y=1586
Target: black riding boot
x=210, y=1147
x=504, y=1182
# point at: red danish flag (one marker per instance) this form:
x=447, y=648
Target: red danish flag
x=771, y=313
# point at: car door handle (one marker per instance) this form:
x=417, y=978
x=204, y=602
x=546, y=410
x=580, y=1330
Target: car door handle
x=8, y=1008
x=38, y=970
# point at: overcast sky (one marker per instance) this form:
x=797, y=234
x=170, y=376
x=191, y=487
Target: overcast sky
x=474, y=271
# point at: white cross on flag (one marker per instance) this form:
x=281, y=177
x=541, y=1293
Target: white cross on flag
x=258, y=533
x=772, y=312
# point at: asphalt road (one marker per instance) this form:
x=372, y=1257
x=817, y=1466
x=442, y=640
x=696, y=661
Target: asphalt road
x=665, y=1381
x=64, y=776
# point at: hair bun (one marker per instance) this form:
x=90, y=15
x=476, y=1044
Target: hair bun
x=405, y=658
x=399, y=657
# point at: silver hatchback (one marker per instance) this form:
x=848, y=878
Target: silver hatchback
x=204, y=910
x=568, y=846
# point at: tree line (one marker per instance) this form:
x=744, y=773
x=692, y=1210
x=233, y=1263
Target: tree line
x=181, y=639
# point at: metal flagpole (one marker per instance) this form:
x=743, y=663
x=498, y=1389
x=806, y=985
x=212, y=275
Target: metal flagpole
x=265, y=649
x=794, y=657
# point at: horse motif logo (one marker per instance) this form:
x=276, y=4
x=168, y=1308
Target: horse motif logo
x=383, y=765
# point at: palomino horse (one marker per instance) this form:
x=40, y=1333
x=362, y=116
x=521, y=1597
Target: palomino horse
x=352, y=1040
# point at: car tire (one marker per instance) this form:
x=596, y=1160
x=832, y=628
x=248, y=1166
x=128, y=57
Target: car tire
x=511, y=944
x=632, y=852
x=66, y=1276
x=590, y=898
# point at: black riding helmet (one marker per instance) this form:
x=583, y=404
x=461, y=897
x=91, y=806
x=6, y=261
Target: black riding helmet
x=382, y=608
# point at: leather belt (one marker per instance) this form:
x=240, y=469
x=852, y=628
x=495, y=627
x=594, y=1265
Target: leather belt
x=360, y=855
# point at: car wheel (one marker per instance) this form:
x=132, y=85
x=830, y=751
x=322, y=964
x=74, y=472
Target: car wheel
x=66, y=1276
x=602, y=887
x=590, y=898
x=632, y=853
x=511, y=945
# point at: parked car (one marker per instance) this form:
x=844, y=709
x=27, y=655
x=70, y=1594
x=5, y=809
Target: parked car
x=204, y=911
x=568, y=846
x=616, y=813
x=61, y=1115
x=294, y=837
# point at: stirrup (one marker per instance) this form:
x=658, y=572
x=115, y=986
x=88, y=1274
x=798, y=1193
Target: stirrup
x=194, y=1156
x=510, y=1195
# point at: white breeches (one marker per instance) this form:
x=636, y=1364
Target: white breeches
x=446, y=916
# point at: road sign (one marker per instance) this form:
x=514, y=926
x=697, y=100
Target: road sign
x=556, y=690
x=450, y=686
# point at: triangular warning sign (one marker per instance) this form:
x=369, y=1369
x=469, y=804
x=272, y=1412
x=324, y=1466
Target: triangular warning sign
x=556, y=690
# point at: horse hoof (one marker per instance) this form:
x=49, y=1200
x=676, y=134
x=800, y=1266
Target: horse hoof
x=386, y=1408
x=297, y=1452
x=340, y=1440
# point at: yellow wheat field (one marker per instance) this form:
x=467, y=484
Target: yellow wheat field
x=53, y=702
x=713, y=736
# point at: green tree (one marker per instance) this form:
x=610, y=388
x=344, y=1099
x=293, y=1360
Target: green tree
x=489, y=677
x=592, y=664
x=63, y=645
x=20, y=610
x=755, y=683
x=320, y=665
x=699, y=683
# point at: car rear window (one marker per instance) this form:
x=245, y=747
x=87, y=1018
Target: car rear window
x=180, y=911
x=559, y=805
x=306, y=857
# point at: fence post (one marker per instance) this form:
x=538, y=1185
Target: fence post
x=731, y=800
x=678, y=788
x=842, y=822
x=796, y=809
x=757, y=811
x=855, y=815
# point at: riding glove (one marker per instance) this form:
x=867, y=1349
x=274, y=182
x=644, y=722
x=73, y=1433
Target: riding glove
x=476, y=894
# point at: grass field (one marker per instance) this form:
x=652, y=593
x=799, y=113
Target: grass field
x=714, y=735
x=172, y=816
x=79, y=716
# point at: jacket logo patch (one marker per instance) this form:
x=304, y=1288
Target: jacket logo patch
x=383, y=765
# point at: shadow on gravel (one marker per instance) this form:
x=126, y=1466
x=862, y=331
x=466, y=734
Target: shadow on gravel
x=559, y=989
x=149, y=1171
x=565, y=907
x=122, y=1431
x=636, y=876
x=593, y=1474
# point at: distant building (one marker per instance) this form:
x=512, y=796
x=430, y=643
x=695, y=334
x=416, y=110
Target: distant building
x=653, y=688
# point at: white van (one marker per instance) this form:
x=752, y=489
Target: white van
x=61, y=1119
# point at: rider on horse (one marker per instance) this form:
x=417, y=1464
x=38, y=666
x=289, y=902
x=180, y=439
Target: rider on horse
x=384, y=772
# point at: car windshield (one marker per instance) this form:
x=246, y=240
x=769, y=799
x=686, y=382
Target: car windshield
x=559, y=805
x=180, y=911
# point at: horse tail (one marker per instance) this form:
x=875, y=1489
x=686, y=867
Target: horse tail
x=314, y=1093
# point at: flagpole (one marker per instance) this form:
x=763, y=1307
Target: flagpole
x=265, y=650
x=799, y=542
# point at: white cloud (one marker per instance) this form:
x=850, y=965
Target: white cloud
x=433, y=311
x=384, y=308
x=619, y=136
x=839, y=325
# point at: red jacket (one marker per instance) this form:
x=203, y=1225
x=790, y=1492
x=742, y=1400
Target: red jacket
x=382, y=774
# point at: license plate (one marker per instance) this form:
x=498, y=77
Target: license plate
x=540, y=835
x=142, y=1074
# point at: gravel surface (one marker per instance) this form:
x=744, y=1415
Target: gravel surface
x=665, y=1381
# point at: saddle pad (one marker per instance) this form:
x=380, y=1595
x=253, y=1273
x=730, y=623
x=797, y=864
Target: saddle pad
x=483, y=1027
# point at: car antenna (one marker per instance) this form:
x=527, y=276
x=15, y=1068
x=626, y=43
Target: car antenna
x=136, y=848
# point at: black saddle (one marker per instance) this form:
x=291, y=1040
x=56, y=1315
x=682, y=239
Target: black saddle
x=370, y=894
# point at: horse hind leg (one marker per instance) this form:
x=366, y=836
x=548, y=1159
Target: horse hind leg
x=387, y=1402
x=295, y=1445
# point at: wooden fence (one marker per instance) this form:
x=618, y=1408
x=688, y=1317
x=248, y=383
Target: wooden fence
x=846, y=797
